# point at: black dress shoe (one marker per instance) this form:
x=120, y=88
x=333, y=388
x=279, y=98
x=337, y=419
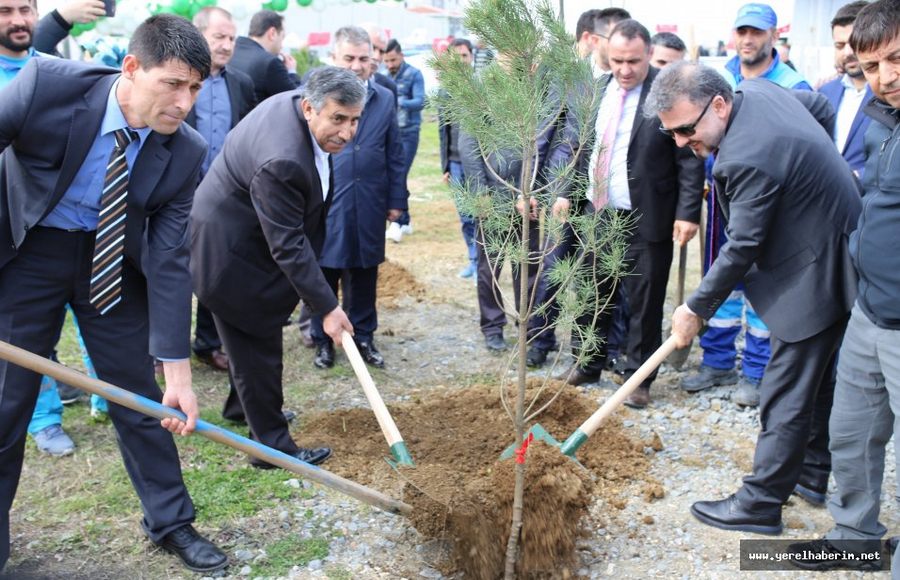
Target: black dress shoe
x=370, y=354
x=289, y=416
x=729, y=514
x=536, y=357
x=495, y=342
x=324, y=356
x=821, y=556
x=196, y=552
x=311, y=456
x=576, y=377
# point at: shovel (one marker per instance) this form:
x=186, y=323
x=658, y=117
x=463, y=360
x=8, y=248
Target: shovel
x=385, y=421
x=679, y=356
x=577, y=439
x=120, y=396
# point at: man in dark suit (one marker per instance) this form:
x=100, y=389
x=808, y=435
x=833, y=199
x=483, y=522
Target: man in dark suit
x=226, y=97
x=849, y=93
x=790, y=202
x=638, y=173
x=369, y=187
x=259, y=56
x=258, y=224
x=97, y=178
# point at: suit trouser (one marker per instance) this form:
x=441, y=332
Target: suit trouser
x=255, y=368
x=645, y=289
x=795, y=398
x=359, y=292
x=490, y=300
x=540, y=327
x=51, y=269
x=206, y=339
x=863, y=419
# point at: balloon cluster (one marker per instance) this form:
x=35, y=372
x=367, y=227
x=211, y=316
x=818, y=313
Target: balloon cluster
x=186, y=8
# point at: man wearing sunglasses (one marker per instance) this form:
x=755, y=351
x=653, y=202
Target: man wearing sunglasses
x=755, y=32
x=790, y=203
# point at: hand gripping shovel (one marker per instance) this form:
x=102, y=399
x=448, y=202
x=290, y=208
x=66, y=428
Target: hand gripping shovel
x=385, y=421
x=120, y=396
x=577, y=439
x=679, y=355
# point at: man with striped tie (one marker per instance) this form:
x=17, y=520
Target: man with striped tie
x=97, y=176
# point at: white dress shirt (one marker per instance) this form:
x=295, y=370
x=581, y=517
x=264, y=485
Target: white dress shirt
x=850, y=104
x=321, y=165
x=618, y=192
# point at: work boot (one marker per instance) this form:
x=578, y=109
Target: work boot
x=535, y=357
x=53, y=440
x=708, y=377
x=747, y=392
x=495, y=342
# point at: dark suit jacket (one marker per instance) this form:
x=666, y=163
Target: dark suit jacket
x=665, y=181
x=790, y=203
x=854, y=149
x=369, y=179
x=259, y=222
x=387, y=83
x=265, y=69
x=49, y=117
x=240, y=93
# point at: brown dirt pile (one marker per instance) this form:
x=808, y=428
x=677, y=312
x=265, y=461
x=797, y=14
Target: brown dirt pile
x=395, y=282
x=460, y=489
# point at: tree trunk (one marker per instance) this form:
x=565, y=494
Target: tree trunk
x=512, y=545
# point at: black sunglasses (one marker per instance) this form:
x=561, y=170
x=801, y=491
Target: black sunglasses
x=687, y=130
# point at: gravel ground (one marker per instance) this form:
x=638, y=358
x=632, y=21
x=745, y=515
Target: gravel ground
x=708, y=445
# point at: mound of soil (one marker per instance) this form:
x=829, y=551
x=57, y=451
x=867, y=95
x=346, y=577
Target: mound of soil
x=463, y=492
x=395, y=282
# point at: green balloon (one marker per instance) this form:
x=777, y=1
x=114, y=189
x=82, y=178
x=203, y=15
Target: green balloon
x=279, y=5
x=371, y=1
x=181, y=7
x=267, y=6
x=205, y=3
x=304, y=3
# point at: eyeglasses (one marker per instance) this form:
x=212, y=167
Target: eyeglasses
x=687, y=130
x=603, y=36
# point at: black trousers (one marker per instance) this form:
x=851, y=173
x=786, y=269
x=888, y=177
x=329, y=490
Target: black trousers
x=52, y=269
x=644, y=287
x=490, y=300
x=795, y=398
x=255, y=369
x=359, y=295
x=206, y=338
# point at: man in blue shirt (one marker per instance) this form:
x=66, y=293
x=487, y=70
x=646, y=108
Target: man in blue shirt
x=410, y=102
x=98, y=181
x=227, y=95
x=17, y=22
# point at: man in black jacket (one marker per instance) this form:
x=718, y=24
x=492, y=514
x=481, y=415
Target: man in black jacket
x=259, y=56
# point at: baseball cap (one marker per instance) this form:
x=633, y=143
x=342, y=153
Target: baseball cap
x=760, y=16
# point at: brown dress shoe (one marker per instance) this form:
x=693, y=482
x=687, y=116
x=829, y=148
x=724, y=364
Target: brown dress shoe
x=575, y=377
x=639, y=398
x=215, y=358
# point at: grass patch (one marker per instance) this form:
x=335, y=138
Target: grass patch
x=286, y=553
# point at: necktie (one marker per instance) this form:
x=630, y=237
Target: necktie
x=601, y=167
x=109, y=243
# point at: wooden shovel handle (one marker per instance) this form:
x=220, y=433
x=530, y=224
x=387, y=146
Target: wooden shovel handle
x=593, y=422
x=120, y=396
x=385, y=421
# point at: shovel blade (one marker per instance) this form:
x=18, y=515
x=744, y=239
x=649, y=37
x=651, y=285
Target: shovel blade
x=678, y=357
x=539, y=434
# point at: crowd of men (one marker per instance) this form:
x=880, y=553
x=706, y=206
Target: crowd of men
x=204, y=166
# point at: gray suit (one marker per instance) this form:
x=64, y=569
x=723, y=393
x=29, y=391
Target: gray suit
x=791, y=203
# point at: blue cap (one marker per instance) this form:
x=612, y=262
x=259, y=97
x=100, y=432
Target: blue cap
x=760, y=16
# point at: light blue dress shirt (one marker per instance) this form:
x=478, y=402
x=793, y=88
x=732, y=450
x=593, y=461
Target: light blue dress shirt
x=213, y=110
x=79, y=207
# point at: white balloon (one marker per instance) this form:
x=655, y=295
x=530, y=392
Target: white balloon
x=319, y=5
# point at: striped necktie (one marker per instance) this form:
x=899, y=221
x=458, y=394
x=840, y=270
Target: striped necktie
x=109, y=244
